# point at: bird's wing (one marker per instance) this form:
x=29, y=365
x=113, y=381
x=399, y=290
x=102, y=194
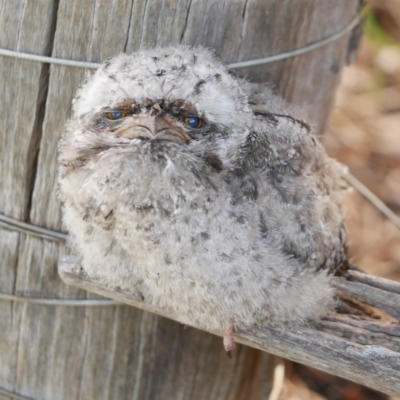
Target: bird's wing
x=299, y=188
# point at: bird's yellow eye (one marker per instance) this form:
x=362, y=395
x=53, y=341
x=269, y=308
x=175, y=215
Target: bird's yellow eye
x=113, y=115
x=193, y=121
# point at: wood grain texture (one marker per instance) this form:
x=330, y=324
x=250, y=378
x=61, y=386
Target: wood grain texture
x=121, y=352
x=362, y=349
x=24, y=89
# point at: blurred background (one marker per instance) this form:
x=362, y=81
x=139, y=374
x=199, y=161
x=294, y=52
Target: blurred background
x=364, y=134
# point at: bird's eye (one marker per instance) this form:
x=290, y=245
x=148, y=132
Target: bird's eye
x=113, y=115
x=193, y=121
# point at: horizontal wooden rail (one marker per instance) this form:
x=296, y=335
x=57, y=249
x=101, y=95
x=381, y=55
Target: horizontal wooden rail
x=352, y=343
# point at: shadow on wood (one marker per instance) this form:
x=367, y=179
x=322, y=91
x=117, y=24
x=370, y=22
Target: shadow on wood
x=357, y=342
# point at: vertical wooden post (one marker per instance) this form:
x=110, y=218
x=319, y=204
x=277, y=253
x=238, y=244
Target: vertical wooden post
x=54, y=352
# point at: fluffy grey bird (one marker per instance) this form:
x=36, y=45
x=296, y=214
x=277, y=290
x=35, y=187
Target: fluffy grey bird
x=184, y=184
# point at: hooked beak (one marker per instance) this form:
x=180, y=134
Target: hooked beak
x=160, y=127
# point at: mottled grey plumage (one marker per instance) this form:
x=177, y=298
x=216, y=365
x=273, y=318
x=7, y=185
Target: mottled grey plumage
x=231, y=224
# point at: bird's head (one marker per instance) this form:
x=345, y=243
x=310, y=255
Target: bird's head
x=180, y=96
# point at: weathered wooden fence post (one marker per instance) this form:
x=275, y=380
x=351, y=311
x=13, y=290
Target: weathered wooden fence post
x=119, y=352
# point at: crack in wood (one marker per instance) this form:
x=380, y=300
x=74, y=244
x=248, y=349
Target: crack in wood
x=186, y=20
x=36, y=135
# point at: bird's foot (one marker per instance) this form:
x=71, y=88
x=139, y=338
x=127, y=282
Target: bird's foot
x=229, y=341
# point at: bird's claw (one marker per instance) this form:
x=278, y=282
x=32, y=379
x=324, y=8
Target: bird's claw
x=229, y=341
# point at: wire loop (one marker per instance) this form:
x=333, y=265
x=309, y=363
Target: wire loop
x=242, y=64
x=30, y=229
x=59, y=302
x=13, y=395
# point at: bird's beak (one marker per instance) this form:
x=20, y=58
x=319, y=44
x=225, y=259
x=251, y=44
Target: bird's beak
x=160, y=127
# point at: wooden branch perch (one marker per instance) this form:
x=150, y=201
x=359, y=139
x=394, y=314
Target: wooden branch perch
x=358, y=342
